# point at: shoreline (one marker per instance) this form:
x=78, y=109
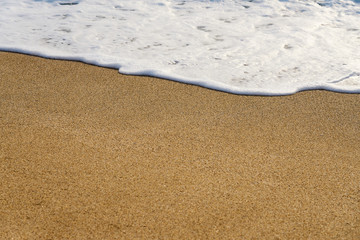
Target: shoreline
x=87, y=152
x=191, y=82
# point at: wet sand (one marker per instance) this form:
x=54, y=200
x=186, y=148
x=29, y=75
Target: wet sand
x=88, y=153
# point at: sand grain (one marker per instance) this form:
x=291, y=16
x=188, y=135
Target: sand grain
x=87, y=153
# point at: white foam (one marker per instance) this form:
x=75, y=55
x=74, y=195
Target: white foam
x=265, y=47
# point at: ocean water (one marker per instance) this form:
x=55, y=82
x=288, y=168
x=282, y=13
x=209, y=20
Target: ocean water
x=258, y=47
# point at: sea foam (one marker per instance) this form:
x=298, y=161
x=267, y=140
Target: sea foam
x=261, y=47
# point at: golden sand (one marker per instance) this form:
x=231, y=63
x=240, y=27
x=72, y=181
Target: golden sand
x=88, y=153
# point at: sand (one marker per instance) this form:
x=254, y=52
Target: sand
x=88, y=153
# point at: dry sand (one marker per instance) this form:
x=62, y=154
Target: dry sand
x=88, y=153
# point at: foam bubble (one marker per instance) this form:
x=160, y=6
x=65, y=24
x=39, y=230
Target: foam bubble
x=246, y=47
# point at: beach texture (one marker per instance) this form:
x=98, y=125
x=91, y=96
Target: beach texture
x=88, y=153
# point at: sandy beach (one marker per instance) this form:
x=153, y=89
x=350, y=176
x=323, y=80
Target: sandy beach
x=88, y=153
